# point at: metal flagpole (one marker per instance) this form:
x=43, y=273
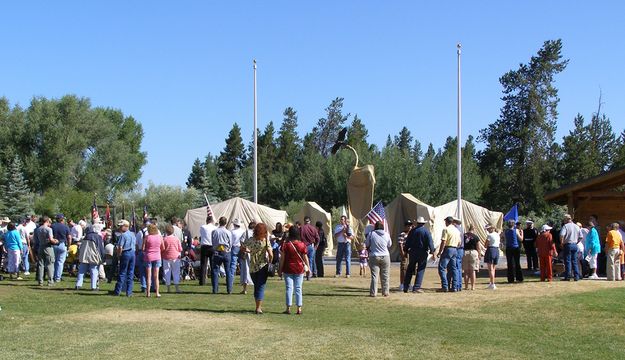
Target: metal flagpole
x=255, y=142
x=459, y=46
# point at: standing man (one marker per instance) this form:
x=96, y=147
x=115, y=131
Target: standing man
x=403, y=255
x=25, y=238
x=64, y=240
x=321, y=248
x=45, y=240
x=310, y=237
x=343, y=235
x=418, y=245
x=513, y=237
x=530, y=234
x=459, y=255
x=613, y=248
x=569, y=236
x=238, y=234
x=206, y=247
x=222, y=244
x=126, y=247
x=447, y=252
x=139, y=263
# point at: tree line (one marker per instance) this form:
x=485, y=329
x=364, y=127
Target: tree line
x=521, y=159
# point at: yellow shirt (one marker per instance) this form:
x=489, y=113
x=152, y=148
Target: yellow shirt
x=613, y=241
x=451, y=236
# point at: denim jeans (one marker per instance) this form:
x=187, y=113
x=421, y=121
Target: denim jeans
x=220, y=258
x=448, y=259
x=418, y=262
x=311, y=260
x=234, y=260
x=125, y=278
x=570, y=257
x=60, y=253
x=93, y=270
x=260, y=280
x=344, y=251
x=459, y=255
x=294, y=280
x=25, y=263
x=140, y=266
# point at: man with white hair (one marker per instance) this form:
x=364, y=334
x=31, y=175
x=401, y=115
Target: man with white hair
x=569, y=236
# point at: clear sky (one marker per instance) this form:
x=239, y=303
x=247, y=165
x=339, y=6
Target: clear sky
x=184, y=68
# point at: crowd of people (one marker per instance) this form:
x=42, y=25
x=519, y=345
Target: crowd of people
x=294, y=252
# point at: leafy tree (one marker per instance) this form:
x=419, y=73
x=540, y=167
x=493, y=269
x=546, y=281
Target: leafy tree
x=17, y=200
x=229, y=164
x=328, y=127
x=518, y=159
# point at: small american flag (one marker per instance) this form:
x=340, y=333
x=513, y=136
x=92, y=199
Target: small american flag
x=209, y=210
x=94, y=211
x=377, y=213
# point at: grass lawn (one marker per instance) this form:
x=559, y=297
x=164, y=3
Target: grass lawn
x=532, y=320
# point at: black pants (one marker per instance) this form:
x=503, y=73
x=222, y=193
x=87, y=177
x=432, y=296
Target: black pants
x=513, y=257
x=206, y=252
x=532, y=256
x=319, y=260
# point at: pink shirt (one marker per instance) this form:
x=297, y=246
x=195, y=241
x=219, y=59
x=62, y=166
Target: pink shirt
x=172, y=248
x=152, y=250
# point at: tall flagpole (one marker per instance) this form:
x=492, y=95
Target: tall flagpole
x=459, y=46
x=255, y=142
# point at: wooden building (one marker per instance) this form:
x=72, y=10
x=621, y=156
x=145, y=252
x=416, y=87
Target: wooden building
x=602, y=195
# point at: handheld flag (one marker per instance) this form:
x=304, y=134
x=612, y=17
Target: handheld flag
x=376, y=214
x=209, y=210
x=513, y=214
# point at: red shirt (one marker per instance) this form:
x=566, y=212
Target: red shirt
x=545, y=245
x=310, y=234
x=292, y=262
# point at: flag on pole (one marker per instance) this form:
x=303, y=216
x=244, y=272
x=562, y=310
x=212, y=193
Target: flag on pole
x=209, y=209
x=376, y=214
x=107, y=213
x=513, y=214
x=94, y=211
x=146, y=217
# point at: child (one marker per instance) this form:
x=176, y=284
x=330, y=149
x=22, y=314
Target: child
x=363, y=255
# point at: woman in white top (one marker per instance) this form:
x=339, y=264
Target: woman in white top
x=491, y=258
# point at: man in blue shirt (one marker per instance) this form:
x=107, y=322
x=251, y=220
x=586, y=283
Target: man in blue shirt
x=418, y=244
x=62, y=234
x=222, y=244
x=126, y=245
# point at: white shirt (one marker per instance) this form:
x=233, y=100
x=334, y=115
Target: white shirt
x=23, y=233
x=76, y=232
x=30, y=227
x=493, y=239
x=206, y=234
x=178, y=233
x=338, y=229
x=237, y=235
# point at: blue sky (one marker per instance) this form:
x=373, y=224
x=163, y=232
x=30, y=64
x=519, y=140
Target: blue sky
x=184, y=68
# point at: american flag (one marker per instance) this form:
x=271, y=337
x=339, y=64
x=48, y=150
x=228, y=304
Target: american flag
x=94, y=211
x=377, y=213
x=145, y=213
x=209, y=210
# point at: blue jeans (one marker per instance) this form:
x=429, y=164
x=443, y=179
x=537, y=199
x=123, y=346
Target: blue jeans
x=219, y=258
x=234, y=260
x=60, y=253
x=448, y=259
x=344, y=251
x=93, y=270
x=570, y=257
x=311, y=255
x=260, y=280
x=140, y=264
x=418, y=263
x=459, y=255
x=25, y=262
x=126, y=273
x=289, y=281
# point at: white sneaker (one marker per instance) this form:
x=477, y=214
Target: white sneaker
x=593, y=277
x=401, y=287
x=494, y=287
x=347, y=276
x=26, y=273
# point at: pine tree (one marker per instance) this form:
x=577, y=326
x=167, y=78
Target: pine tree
x=229, y=164
x=403, y=141
x=16, y=196
x=357, y=135
x=619, y=155
x=197, y=179
x=328, y=128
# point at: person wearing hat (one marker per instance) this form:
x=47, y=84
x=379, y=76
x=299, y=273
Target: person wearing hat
x=447, y=252
x=126, y=247
x=238, y=233
x=403, y=255
x=417, y=246
x=546, y=251
x=63, y=236
x=529, y=244
x=310, y=237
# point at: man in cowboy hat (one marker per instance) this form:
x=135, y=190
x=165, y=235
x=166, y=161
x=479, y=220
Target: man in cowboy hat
x=418, y=245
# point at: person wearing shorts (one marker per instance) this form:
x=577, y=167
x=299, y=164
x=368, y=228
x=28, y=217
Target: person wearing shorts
x=152, y=247
x=491, y=258
x=471, y=258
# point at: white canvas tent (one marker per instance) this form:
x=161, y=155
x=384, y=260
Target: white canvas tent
x=471, y=214
x=406, y=207
x=317, y=213
x=235, y=208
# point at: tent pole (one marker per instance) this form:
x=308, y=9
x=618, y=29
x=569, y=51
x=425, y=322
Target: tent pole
x=459, y=138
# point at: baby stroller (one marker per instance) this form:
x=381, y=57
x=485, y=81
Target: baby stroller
x=186, y=268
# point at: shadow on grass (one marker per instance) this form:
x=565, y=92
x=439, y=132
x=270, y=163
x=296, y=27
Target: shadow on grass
x=221, y=311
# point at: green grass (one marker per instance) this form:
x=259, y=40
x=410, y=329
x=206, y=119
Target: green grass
x=566, y=320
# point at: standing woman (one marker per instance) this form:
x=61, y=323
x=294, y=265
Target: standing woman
x=152, y=247
x=90, y=256
x=471, y=257
x=378, y=242
x=244, y=258
x=293, y=264
x=491, y=257
x=172, y=247
x=592, y=248
x=260, y=258
x=14, y=248
x=514, y=237
x=321, y=248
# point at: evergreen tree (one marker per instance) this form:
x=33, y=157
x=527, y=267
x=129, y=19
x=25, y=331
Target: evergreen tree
x=518, y=159
x=17, y=199
x=357, y=135
x=229, y=164
x=197, y=179
x=403, y=141
x=328, y=128
x=619, y=155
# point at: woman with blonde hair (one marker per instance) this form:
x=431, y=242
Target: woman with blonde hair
x=260, y=258
x=152, y=247
x=172, y=247
x=491, y=257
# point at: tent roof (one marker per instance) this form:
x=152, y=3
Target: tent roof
x=472, y=214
